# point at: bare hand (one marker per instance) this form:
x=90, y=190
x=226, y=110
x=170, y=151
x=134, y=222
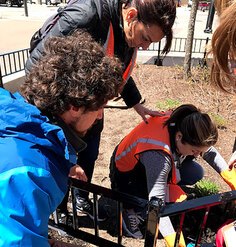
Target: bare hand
x=143, y=112
x=78, y=173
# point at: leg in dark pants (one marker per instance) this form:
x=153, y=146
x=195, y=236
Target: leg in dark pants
x=190, y=172
x=133, y=182
x=86, y=159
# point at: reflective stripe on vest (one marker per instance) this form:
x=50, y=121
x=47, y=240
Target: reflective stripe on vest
x=144, y=137
x=142, y=140
x=110, y=48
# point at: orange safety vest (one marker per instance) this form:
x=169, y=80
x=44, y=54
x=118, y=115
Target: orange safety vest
x=151, y=136
x=110, y=47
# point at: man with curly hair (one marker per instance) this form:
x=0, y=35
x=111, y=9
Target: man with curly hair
x=40, y=130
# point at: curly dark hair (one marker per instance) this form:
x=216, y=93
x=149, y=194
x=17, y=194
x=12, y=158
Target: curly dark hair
x=72, y=71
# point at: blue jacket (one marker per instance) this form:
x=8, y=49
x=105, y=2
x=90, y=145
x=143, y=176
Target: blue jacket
x=34, y=167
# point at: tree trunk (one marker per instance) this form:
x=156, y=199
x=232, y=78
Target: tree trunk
x=189, y=42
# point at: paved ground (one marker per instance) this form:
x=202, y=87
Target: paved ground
x=17, y=29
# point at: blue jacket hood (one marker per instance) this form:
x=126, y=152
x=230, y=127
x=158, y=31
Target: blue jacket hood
x=19, y=119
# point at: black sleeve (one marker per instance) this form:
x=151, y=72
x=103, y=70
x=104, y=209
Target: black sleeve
x=130, y=93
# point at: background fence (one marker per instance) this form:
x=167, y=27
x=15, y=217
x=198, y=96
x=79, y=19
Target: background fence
x=13, y=62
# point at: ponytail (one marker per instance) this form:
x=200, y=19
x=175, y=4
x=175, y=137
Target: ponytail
x=196, y=127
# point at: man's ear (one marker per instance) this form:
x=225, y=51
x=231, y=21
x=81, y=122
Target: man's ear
x=131, y=14
x=75, y=111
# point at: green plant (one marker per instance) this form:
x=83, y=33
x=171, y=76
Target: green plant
x=218, y=119
x=206, y=187
x=168, y=104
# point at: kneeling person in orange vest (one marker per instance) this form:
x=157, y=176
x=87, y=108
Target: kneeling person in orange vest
x=154, y=159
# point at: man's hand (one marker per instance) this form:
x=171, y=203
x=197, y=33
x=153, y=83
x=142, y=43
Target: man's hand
x=78, y=173
x=143, y=112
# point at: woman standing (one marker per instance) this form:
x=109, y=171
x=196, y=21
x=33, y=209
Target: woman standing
x=121, y=26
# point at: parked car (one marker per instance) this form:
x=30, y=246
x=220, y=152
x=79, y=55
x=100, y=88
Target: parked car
x=203, y=6
x=53, y=2
x=10, y=3
x=190, y=2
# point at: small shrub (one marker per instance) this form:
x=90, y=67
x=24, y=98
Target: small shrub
x=200, y=74
x=168, y=104
x=206, y=187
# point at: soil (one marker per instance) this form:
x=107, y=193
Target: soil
x=157, y=84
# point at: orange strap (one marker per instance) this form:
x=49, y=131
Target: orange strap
x=130, y=67
x=110, y=48
x=175, y=193
x=109, y=44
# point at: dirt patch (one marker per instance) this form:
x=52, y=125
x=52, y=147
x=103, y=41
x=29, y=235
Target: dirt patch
x=158, y=84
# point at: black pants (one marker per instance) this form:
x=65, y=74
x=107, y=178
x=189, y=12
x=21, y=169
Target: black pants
x=132, y=182
x=86, y=159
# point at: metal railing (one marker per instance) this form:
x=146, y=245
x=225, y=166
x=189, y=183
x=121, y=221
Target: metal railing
x=73, y=230
x=12, y=62
x=179, y=44
x=199, y=47
x=226, y=200
x=155, y=211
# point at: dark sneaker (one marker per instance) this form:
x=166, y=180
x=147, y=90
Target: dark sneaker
x=131, y=223
x=86, y=207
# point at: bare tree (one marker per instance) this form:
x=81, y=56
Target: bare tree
x=189, y=42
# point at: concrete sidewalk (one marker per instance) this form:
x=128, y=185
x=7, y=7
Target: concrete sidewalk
x=17, y=29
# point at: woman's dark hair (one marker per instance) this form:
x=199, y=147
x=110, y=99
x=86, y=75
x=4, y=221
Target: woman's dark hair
x=196, y=127
x=157, y=12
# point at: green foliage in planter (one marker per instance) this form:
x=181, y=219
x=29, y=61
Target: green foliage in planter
x=168, y=104
x=206, y=187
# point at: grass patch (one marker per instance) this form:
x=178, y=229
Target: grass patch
x=218, y=120
x=168, y=104
x=206, y=187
